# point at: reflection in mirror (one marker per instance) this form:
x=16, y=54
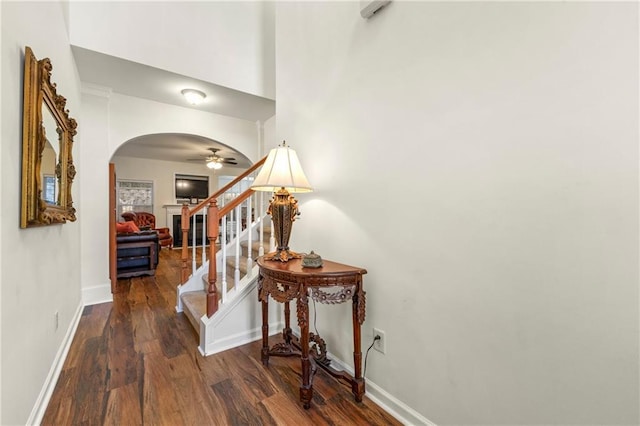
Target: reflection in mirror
x=47, y=142
x=49, y=158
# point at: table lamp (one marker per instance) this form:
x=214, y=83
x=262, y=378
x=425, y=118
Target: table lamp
x=282, y=174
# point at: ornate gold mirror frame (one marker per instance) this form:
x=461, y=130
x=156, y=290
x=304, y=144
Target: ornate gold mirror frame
x=47, y=139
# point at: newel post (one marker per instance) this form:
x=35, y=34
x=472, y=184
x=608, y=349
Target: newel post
x=212, y=235
x=184, y=225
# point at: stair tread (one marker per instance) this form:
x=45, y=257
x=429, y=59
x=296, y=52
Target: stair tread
x=195, y=299
x=230, y=281
x=195, y=305
x=255, y=245
x=231, y=261
x=243, y=267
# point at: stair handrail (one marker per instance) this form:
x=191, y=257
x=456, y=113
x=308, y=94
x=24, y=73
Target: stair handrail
x=236, y=202
x=213, y=216
x=227, y=187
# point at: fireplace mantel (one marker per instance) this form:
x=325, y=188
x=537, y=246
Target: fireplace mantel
x=176, y=209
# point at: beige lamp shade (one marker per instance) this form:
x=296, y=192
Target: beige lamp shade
x=281, y=170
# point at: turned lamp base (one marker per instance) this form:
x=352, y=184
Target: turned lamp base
x=283, y=210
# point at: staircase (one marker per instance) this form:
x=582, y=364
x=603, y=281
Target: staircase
x=224, y=310
x=194, y=303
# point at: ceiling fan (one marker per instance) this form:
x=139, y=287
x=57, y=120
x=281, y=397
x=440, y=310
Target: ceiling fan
x=214, y=161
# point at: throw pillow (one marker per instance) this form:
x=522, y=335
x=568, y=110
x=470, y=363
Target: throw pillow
x=133, y=227
x=126, y=227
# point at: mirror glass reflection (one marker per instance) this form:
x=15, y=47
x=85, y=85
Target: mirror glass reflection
x=50, y=155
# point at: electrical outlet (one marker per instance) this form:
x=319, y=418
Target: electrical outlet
x=379, y=345
x=56, y=320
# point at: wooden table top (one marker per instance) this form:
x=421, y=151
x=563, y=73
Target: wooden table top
x=294, y=267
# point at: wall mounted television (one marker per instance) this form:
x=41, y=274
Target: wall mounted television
x=191, y=186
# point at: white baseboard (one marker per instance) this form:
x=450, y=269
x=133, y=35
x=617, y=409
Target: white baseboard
x=35, y=418
x=395, y=407
x=97, y=294
x=240, y=339
x=392, y=405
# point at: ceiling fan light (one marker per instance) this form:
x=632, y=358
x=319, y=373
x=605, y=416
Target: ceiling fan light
x=214, y=165
x=193, y=96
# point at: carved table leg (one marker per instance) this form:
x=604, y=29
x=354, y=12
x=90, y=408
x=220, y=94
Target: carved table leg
x=286, y=333
x=357, y=386
x=265, y=329
x=306, y=390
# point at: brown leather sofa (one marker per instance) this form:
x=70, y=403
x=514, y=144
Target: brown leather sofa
x=137, y=253
x=145, y=220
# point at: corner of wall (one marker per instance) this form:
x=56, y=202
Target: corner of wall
x=97, y=294
x=0, y=232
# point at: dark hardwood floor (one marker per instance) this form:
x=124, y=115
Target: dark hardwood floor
x=135, y=361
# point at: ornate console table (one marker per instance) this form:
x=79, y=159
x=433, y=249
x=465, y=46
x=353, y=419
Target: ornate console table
x=333, y=283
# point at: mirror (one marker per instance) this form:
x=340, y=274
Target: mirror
x=47, y=140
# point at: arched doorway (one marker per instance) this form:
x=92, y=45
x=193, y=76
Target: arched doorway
x=146, y=172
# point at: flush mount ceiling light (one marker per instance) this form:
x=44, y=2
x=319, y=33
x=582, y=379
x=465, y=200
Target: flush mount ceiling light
x=193, y=96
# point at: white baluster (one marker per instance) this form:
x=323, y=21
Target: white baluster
x=249, y=239
x=223, y=267
x=233, y=225
x=204, y=236
x=260, y=211
x=272, y=239
x=193, y=243
x=236, y=276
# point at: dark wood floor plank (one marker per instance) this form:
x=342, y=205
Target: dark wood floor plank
x=213, y=369
x=250, y=376
x=284, y=413
x=135, y=361
x=165, y=320
x=123, y=406
x=88, y=390
x=122, y=356
x=60, y=401
x=92, y=324
x=59, y=412
x=141, y=316
x=190, y=390
x=149, y=346
x=159, y=400
x=238, y=406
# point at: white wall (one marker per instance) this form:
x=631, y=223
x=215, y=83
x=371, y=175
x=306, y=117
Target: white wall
x=269, y=135
x=112, y=119
x=131, y=117
x=481, y=161
x=40, y=267
x=226, y=43
x=94, y=195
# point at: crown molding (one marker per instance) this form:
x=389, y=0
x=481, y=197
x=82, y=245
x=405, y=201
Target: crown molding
x=96, y=90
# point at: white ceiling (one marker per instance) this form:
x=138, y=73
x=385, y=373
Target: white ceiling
x=142, y=81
